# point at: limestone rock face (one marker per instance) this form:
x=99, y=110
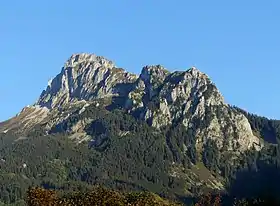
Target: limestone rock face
x=157, y=96
x=191, y=98
x=85, y=77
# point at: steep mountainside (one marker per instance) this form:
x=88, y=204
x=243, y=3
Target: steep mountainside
x=171, y=133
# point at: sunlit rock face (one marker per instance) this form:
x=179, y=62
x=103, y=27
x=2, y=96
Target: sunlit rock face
x=85, y=77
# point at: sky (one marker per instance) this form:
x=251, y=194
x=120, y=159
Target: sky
x=237, y=43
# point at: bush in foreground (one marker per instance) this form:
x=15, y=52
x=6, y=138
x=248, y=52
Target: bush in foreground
x=99, y=196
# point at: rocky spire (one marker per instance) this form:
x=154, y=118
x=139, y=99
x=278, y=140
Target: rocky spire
x=79, y=58
x=154, y=73
x=84, y=77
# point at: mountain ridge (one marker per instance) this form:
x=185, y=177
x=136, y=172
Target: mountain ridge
x=157, y=96
x=84, y=64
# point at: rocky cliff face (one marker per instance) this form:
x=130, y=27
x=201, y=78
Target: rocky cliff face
x=190, y=97
x=157, y=96
x=85, y=77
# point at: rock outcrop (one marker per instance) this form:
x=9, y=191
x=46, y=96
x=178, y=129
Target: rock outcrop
x=85, y=77
x=190, y=97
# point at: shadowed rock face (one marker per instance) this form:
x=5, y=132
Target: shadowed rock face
x=157, y=96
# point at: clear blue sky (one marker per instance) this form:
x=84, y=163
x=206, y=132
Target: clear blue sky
x=237, y=44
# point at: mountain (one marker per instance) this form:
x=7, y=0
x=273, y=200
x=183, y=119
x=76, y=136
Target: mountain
x=157, y=96
x=171, y=133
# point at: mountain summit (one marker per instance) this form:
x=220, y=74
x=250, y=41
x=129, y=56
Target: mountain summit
x=84, y=77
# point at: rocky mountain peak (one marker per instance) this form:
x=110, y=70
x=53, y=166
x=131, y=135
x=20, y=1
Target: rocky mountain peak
x=84, y=77
x=153, y=76
x=157, y=96
x=79, y=58
x=196, y=73
x=153, y=71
